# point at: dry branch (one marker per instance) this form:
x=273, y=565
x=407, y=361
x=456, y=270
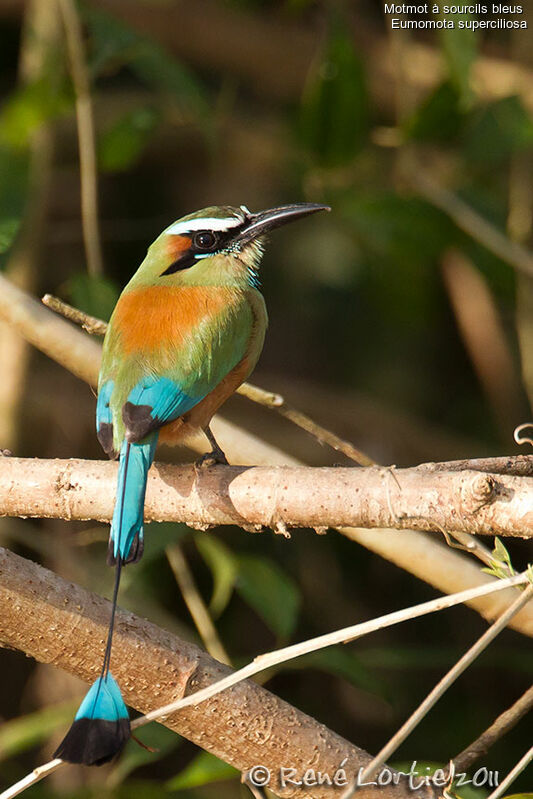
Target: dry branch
x=94, y=326
x=503, y=464
x=195, y=604
x=60, y=623
x=499, y=727
x=258, y=395
x=279, y=497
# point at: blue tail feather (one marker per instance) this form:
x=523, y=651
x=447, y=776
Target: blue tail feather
x=101, y=726
x=103, y=701
x=126, y=537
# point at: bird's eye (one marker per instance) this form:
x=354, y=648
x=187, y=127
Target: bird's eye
x=205, y=240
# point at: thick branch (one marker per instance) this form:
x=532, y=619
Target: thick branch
x=277, y=497
x=60, y=623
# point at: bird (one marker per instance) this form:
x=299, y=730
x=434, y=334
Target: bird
x=186, y=331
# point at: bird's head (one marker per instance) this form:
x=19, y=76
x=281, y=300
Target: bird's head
x=220, y=245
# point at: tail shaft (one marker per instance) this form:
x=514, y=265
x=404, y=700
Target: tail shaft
x=101, y=726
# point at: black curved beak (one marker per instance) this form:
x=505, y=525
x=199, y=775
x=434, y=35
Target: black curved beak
x=264, y=221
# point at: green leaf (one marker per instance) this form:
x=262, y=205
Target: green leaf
x=93, y=294
x=8, y=230
x=518, y=796
x=497, y=131
x=29, y=107
x=155, y=736
x=334, y=116
x=270, y=592
x=21, y=734
x=13, y=188
x=501, y=553
x=438, y=117
x=501, y=566
x=224, y=569
x=122, y=144
x=204, y=769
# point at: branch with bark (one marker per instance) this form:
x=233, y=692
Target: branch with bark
x=60, y=623
x=278, y=497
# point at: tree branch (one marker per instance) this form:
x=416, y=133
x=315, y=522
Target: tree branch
x=60, y=623
x=499, y=727
x=277, y=497
x=268, y=399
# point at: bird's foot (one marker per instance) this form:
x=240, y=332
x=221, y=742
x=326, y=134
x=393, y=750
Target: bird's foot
x=216, y=456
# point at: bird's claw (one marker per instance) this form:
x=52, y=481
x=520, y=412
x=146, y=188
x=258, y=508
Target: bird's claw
x=213, y=458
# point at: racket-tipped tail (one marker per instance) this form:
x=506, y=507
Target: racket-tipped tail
x=101, y=727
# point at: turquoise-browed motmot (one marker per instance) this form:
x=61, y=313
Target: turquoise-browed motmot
x=187, y=330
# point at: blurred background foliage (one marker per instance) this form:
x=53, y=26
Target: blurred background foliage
x=390, y=323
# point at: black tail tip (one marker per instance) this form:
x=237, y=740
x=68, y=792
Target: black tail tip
x=134, y=555
x=93, y=742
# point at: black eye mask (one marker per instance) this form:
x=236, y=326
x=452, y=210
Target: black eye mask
x=203, y=243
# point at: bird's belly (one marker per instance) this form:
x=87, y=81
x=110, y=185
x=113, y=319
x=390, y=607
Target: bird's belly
x=198, y=418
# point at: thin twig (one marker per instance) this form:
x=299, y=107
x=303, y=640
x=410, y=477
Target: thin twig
x=278, y=656
x=91, y=324
x=196, y=604
x=513, y=774
x=258, y=395
x=518, y=464
x=442, y=686
x=33, y=777
x=506, y=464
x=499, y=727
x=469, y=543
x=277, y=403
x=86, y=136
